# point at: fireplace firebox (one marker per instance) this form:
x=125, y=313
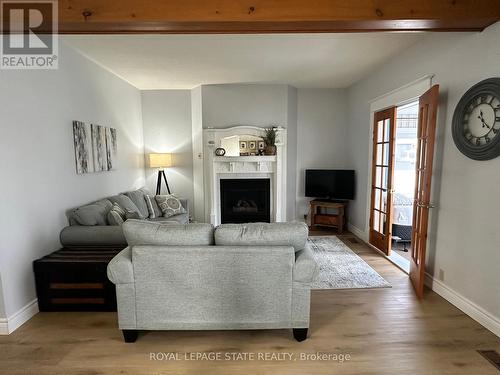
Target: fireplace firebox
x=245, y=200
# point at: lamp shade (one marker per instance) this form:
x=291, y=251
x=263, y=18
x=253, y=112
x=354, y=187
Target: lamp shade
x=160, y=160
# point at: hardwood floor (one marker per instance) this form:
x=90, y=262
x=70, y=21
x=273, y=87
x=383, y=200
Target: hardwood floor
x=385, y=331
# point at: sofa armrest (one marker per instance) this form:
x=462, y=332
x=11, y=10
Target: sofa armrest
x=96, y=235
x=305, y=268
x=120, y=269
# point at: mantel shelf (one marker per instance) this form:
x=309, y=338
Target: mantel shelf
x=249, y=159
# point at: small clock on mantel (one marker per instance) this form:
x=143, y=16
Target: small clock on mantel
x=476, y=121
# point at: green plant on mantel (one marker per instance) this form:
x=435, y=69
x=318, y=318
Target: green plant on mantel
x=270, y=136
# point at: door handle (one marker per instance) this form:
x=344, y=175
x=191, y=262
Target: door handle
x=423, y=205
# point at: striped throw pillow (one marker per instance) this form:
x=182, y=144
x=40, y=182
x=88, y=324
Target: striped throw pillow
x=116, y=216
x=153, y=208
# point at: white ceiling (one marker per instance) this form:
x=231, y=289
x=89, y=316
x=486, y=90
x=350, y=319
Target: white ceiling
x=186, y=61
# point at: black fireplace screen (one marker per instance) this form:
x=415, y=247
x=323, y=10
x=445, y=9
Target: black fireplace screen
x=245, y=200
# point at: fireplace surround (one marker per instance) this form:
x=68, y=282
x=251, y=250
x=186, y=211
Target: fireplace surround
x=254, y=167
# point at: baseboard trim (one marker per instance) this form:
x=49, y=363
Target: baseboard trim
x=357, y=232
x=13, y=322
x=468, y=307
x=483, y=317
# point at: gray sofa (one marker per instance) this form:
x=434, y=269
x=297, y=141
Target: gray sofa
x=88, y=224
x=192, y=277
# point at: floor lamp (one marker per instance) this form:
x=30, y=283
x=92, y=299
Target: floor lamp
x=160, y=161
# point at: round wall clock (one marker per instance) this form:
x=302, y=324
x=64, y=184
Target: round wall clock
x=476, y=121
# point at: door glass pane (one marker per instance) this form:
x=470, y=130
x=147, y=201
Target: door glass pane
x=378, y=176
x=377, y=199
x=380, y=131
x=382, y=223
x=385, y=176
x=386, y=154
x=376, y=221
x=379, y=154
x=384, y=201
x=387, y=130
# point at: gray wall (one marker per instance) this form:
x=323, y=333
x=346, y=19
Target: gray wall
x=464, y=233
x=257, y=105
x=166, y=118
x=37, y=155
x=321, y=134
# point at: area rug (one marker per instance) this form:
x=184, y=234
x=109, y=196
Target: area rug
x=341, y=268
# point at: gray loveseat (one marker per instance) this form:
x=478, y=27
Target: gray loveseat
x=192, y=277
x=88, y=224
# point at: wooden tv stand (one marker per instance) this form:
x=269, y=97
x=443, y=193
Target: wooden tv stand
x=322, y=219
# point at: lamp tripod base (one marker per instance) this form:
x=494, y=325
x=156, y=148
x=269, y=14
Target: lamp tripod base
x=161, y=175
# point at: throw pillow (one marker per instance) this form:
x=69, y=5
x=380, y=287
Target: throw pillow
x=126, y=203
x=170, y=205
x=137, y=197
x=153, y=208
x=129, y=214
x=116, y=216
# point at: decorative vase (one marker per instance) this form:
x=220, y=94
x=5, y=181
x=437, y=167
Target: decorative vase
x=270, y=150
x=219, y=151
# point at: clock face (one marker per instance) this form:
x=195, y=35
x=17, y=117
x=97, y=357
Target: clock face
x=481, y=119
x=476, y=121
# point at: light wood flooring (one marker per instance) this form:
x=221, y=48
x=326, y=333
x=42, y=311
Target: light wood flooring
x=385, y=331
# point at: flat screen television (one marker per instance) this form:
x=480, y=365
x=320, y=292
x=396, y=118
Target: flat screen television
x=330, y=183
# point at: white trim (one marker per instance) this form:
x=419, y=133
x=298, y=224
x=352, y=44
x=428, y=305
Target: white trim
x=4, y=327
x=358, y=232
x=476, y=312
x=13, y=322
x=403, y=94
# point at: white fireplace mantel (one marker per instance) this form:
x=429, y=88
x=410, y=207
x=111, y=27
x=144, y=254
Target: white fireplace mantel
x=224, y=167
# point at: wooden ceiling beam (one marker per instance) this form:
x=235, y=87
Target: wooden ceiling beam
x=268, y=16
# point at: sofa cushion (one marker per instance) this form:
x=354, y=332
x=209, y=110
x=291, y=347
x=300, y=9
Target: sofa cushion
x=140, y=232
x=137, y=196
x=129, y=214
x=126, y=203
x=91, y=214
x=116, y=216
x=176, y=219
x=170, y=205
x=265, y=234
x=153, y=208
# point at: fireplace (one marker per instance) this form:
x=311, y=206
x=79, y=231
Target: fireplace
x=245, y=200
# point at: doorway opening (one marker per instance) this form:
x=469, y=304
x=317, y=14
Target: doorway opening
x=405, y=156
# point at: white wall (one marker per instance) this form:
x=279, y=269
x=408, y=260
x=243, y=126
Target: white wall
x=464, y=233
x=321, y=134
x=39, y=182
x=166, y=118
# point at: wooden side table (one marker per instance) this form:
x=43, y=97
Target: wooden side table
x=323, y=219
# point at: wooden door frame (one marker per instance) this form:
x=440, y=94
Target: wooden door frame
x=273, y=16
x=388, y=113
x=417, y=272
x=405, y=94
